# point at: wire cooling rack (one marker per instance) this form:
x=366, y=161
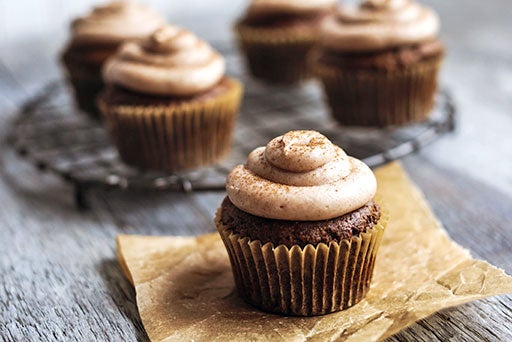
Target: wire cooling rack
x=53, y=135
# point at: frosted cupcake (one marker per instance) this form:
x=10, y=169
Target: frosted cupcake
x=167, y=102
x=379, y=62
x=276, y=35
x=300, y=226
x=95, y=37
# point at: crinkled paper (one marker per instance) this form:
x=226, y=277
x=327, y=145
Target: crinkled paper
x=185, y=289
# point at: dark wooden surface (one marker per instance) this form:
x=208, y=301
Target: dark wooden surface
x=59, y=279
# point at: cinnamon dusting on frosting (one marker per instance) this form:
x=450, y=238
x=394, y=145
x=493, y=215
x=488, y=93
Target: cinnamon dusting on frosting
x=300, y=176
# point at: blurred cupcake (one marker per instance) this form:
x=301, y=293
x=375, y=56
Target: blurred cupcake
x=379, y=62
x=167, y=102
x=300, y=226
x=276, y=35
x=96, y=37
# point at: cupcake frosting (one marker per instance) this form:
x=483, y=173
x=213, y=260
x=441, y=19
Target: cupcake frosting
x=379, y=24
x=170, y=62
x=115, y=22
x=300, y=176
x=262, y=8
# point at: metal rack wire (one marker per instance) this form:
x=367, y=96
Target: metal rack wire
x=53, y=135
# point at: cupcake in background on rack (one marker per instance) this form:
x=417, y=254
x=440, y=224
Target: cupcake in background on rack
x=301, y=226
x=379, y=62
x=167, y=102
x=97, y=36
x=276, y=35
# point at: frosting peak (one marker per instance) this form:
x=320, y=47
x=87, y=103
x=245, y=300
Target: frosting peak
x=115, y=22
x=383, y=4
x=300, y=176
x=379, y=24
x=113, y=8
x=170, y=62
x=299, y=151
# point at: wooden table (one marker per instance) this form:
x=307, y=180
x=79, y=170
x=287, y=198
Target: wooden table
x=59, y=276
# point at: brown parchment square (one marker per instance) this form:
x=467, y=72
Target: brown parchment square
x=185, y=289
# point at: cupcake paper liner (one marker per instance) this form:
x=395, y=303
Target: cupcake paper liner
x=175, y=137
x=85, y=93
x=86, y=83
x=276, y=55
x=360, y=97
x=313, y=280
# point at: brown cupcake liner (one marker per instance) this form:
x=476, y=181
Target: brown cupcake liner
x=359, y=97
x=85, y=93
x=86, y=83
x=314, y=280
x=276, y=55
x=175, y=137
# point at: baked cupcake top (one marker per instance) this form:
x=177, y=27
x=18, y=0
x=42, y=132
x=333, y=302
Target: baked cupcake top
x=379, y=24
x=114, y=23
x=260, y=9
x=300, y=176
x=170, y=62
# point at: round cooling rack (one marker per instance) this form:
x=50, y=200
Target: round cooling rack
x=56, y=137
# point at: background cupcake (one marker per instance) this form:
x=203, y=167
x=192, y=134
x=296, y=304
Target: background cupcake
x=379, y=62
x=167, y=102
x=300, y=226
x=275, y=36
x=96, y=37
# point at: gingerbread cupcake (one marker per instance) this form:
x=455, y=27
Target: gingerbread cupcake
x=167, y=102
x=301, y=227
x=97, y=36
x=379, y=62
x=276, y=35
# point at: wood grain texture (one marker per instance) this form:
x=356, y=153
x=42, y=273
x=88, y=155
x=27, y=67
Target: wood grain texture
x=58, y=276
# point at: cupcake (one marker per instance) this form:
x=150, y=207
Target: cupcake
x=379, y=62
x=167, y=103
x=300, y=226
x=96, y=37
x=275, y=36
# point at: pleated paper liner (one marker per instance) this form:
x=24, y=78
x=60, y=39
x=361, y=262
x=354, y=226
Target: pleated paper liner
x=175, y=137
x=86, y=83
x=85, y=93
x=309, y=281
x=276, y=55
x=360, y=97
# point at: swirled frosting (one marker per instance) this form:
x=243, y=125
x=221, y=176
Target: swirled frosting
x=300, y=176
x=379, y=24
x=115, y=22
x=170, y=62
x=263, y=8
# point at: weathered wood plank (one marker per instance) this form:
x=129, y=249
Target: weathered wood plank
x=57, y=281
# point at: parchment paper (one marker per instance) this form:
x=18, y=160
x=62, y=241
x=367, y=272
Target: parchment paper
x=185, y=289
